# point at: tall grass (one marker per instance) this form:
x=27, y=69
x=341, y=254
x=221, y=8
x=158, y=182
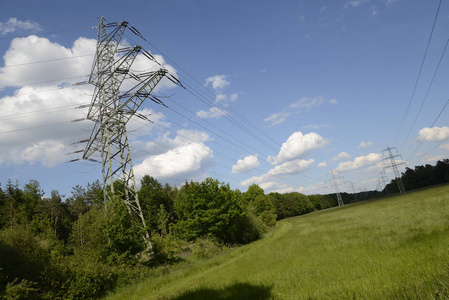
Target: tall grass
x=394, y=248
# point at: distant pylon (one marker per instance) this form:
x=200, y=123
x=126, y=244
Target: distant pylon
x=395, y=165
x=337, y=189
x=382, y=181
x=111, y=109
x=351, y=184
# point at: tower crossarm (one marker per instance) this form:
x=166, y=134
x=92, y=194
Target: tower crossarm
x=107, y=45
x=132, y=99
x=113, y=77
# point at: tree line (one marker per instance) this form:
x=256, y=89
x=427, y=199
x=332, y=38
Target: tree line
x=76, y=247
x=421, y=176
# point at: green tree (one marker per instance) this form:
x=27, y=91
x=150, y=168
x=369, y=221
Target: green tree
x=14, y=200
x=151, y=196
x=251, y=194
x=210, y=209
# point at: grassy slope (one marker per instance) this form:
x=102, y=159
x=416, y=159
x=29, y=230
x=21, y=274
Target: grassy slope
x=384, y=249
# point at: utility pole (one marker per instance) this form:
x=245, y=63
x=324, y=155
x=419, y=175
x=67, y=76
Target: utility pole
x=111, y=109
x=395, y=165
x=335, y=184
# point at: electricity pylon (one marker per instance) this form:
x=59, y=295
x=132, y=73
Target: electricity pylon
x=351, y=184
x=382, y=180
x=395, y=165
x=337, y=189
x=111, y=109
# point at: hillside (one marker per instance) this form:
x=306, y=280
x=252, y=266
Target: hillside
x=383, y=249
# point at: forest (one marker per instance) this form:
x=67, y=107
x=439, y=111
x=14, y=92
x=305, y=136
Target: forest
x=77, y=248
x=421, y=176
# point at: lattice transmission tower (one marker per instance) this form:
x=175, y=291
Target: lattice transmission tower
x=335, y=179
x=395, y=165
x=111, y=109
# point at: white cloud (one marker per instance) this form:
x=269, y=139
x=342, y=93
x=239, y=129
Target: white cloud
x=13, y=25
x=390, y=2
x=316, y=188
x=35, y=123
x=341, y=155
x=247, y=164
x=49, y=152
x=315, y=126
x=364, y=145
x=288, y=168
x=297, y=107
x=212, y=113
x=217, y=82
x=32, y=119
x=433, y=134
x=307, y=103
x=225, y=100
x=355, y=3
x=291, y=167
x=268, y=185
x=277, y=118
x=298, y=145
x=322, y=164
x=164, y=141
x=359, y=162
x=63, y=64
x=179, y=163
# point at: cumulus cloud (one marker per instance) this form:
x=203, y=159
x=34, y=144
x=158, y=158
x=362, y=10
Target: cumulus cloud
x=291, y=167
x=13, y=25
x=433, y=134
x=288, y=168
x=212, y=113
x=58, y=63
x=217, y=82
x=322, y=164
x=36, y=119
x=340, y=156
x=364, y=145
x=33, y=119
x=298, y=145
x=247, y=164
x=316, y=188
x=179, y=163
x=359, y=162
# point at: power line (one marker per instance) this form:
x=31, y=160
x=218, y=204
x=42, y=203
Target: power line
x=47, y=60
x=431, y=126
x=427, y=93
x=419, y=73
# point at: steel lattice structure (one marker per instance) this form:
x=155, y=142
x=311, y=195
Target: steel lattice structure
x=111, y=109
x=337, y=189
x=395, y=165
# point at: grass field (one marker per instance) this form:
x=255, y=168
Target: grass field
x=394, y=248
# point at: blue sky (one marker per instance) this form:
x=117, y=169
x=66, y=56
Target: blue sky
x=278, y=93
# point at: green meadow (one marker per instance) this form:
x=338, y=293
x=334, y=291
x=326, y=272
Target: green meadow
x=392, y=248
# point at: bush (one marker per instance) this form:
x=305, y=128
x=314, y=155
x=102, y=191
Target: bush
x=204, y=248
x=23, y=290
x=165, y=249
